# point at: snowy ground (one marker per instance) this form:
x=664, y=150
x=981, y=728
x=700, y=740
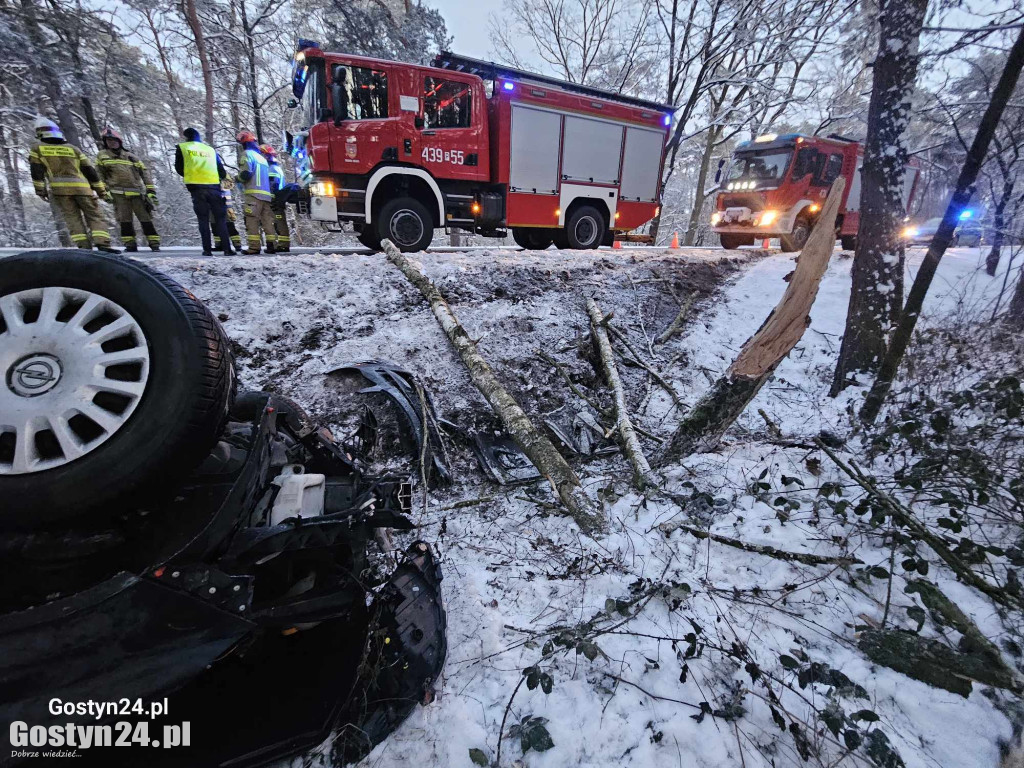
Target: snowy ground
x=523, y=587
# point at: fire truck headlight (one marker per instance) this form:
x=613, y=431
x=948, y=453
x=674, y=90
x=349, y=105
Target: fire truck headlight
x=813, y=208
x=715, y=218
x=910, y=232
x=767, y=218
x=322, y=188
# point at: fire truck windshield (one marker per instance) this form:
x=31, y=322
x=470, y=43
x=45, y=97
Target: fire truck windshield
x=767, y=165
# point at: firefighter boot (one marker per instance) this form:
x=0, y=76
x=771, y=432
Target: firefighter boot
x=151, y=236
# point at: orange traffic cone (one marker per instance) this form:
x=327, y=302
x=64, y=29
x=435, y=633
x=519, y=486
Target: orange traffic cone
x=675, y=240
x=616, y=243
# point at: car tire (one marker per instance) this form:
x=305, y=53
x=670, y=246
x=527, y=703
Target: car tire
x=118, y=380
x=732, y=242
x=407, y=223
x=796, y=239
x=585, y=228
x=848, y=242
x=533, y=238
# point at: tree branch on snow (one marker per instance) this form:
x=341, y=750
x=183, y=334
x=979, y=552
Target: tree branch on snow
x=806, y=558
x=630, y=442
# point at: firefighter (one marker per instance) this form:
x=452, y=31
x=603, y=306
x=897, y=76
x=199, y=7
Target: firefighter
x=203, y=171
x=277, y=205
x=131, y=186
x=255, y=178
x=72, y=180
x=236, y=239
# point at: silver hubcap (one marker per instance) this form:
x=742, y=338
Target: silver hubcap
x=585, y=231
x=75, y=367
x=406, y=227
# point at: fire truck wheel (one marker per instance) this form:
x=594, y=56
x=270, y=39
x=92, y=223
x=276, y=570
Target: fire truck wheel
x=101, y=356
x=533, y=238
x=585, y=228
x=369, y=238
x=406, y=223
x=732, y=242
x=796, y=239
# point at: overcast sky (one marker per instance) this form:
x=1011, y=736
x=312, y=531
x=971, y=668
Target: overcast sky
x=467, y=22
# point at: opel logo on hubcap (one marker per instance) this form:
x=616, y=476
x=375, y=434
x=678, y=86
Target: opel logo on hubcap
x=34, y=375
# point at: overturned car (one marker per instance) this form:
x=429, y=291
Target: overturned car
x=162, y=540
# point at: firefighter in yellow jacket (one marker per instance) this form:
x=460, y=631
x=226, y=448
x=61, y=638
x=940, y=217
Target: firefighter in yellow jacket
x=63, y=171
x=255, y=178
x=131, y=186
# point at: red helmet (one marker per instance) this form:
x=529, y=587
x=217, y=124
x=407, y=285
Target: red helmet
x=110, y=133
x=268, y=150
x=244, y=137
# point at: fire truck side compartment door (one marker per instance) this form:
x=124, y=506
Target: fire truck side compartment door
x=641, y=166
x=591, y=150
x=533, y=150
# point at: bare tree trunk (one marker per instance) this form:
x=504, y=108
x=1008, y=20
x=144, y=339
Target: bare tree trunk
x=718, y=408
x=535, y=445
x=252, y=83
x=702, y=180
x=876, y=297
x=10, y=160
x=192, y=17
x=65, y=117
x=999, y=222
x=1015, y=314
x=172, y=83
x=944, y=234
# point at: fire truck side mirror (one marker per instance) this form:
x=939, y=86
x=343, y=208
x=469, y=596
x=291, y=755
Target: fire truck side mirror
x=418, y=122
x=718, y=173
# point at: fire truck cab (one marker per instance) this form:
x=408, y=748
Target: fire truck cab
x=399, y=150
x=776, y=185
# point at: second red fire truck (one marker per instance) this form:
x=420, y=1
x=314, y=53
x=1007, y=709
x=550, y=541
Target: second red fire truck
x=399, y=150
x=775, y=187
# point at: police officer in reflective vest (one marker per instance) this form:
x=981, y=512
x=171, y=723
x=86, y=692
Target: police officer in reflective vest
x=255, y=178
x=132, y=189
x=63, y=171
x=201, y=168
x=284, y=238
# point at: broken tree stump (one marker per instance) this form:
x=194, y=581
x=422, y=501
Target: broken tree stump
x=704, y=425
x=535, y=445
x=630, y=442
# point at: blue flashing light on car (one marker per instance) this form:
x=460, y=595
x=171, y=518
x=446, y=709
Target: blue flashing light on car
x=966, y=214
x=668, y=120
x=508, y=86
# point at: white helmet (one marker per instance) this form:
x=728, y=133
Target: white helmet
x=47, y=129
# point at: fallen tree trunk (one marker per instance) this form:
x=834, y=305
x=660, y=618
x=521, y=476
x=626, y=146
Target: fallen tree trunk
x=535, y=445
x=630, y=442
x=707, y=421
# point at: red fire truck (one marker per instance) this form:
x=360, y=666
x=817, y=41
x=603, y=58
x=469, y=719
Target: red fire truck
x=399, y=150
x=776, y=185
